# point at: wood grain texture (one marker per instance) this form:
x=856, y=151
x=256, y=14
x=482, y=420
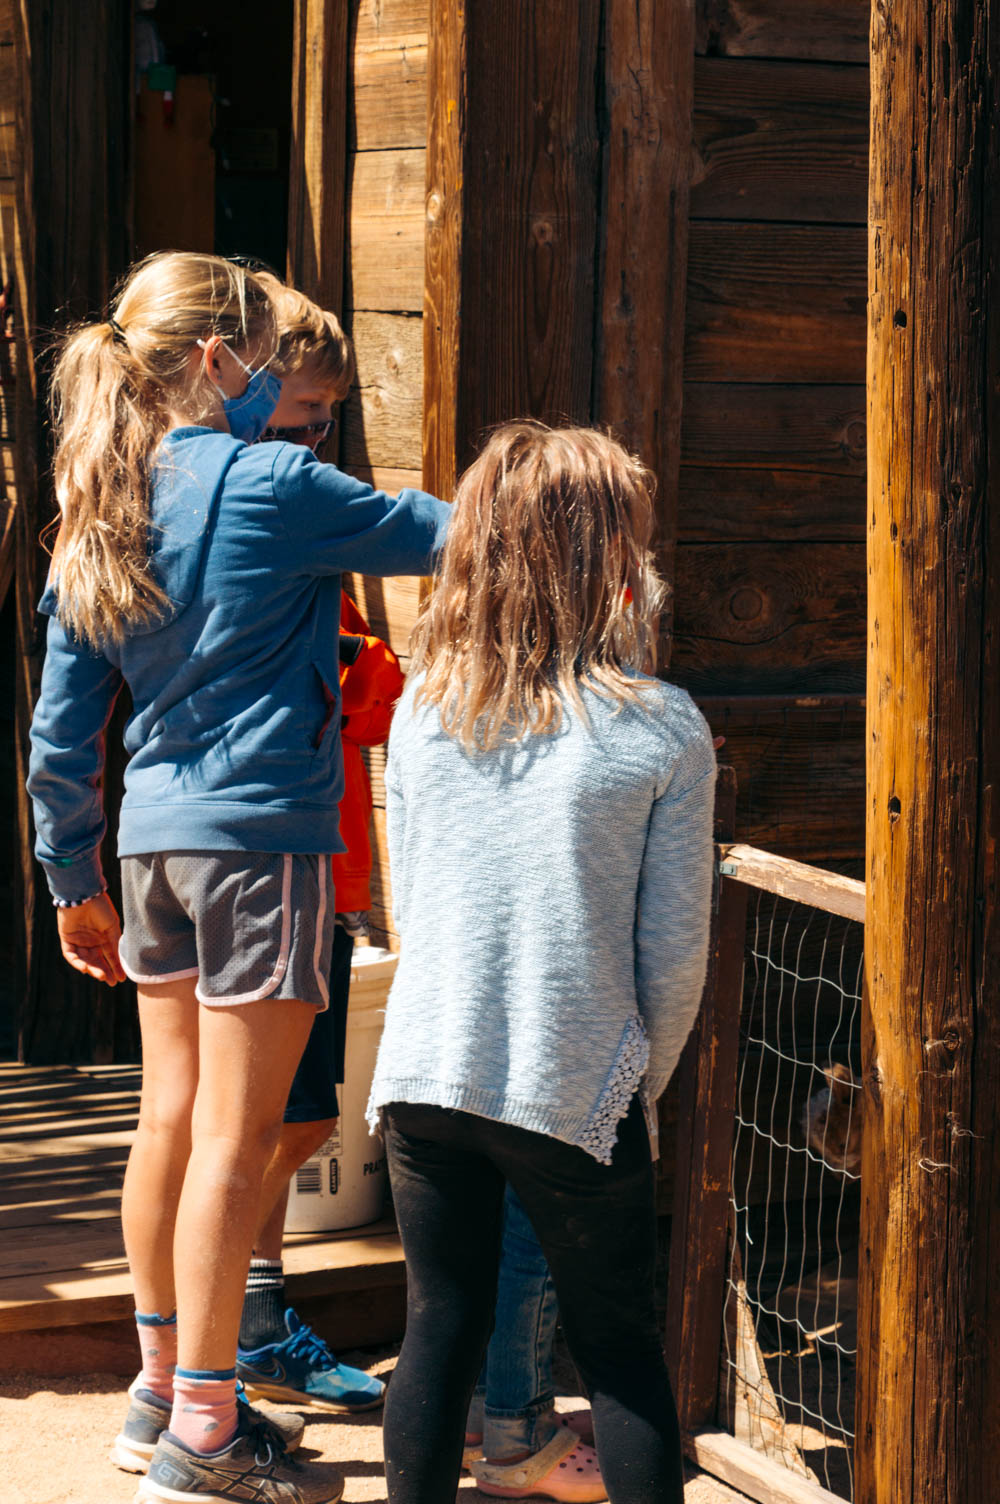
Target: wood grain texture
x=387, y=103
x=649, y=87
x=317, y=187
x=382, y=415
x=374, y=21
x=781, y=303
x=755, y=1476
x=75, y=86
x=770, y=619
x=385, y=271
x=797, y=881
x=928, y=1407
x=831, y=30
x=707, y=1076
x=800, y=767
x=780, y=141
x=447, y=104
x=389, y=606
x=509, y=315
x=769, y=506
x=8, y=109
x=816, y=428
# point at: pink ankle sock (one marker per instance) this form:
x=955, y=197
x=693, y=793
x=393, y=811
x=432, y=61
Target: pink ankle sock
x=158, y=1345
x=204, y=1413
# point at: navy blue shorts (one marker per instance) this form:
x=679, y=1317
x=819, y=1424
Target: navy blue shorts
x=313, y=1094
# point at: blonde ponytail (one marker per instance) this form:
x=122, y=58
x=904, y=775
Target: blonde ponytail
x=111, y=393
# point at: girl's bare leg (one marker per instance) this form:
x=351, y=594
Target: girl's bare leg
x=168, y=1018
x=247, y=1058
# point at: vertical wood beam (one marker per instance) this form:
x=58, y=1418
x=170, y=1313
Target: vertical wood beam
x=317, y=190
x=512, y=198
x=705, y=1117
x=639, y=371
x=74, y=101
x=928, y=1397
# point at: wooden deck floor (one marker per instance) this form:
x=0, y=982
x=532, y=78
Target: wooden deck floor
x=65, y=1134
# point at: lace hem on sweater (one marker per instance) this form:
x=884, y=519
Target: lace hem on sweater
x=621, y=1086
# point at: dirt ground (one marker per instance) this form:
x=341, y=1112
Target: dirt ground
x=55, y=1434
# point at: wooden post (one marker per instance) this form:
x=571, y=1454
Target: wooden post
x=74, y=100
x=317, y=175
x=639, y=372
x=696, y=1288
x=512, y=194
x=928, y=1397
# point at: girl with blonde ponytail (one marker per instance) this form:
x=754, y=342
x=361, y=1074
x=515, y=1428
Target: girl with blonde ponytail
x=203, y=570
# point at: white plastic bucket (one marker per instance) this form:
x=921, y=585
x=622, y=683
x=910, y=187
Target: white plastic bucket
x=344, y=1183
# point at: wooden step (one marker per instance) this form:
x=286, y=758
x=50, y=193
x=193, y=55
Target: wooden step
x=65, y=1133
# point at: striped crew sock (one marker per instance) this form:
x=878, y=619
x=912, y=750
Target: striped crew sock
x=204, y=1413
x=158, y=1345
x=263, y=1319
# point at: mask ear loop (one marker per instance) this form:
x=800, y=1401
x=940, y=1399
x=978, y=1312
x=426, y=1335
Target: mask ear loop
x=203, y=345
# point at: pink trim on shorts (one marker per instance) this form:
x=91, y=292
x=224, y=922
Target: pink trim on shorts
x=274, y=979
x=321, y=981
x=165, y=976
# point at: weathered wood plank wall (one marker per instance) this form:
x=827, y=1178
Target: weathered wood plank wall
x=382, y=428
x=8, y=176
x=770, y=559
x=928, y=1399
x=70, y=238
x=769, y=521
x=768, y=510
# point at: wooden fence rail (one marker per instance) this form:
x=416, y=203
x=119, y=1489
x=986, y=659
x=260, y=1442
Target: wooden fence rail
x=700, y=1226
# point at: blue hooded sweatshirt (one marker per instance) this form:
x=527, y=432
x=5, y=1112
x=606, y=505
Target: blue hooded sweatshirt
x=233, y=742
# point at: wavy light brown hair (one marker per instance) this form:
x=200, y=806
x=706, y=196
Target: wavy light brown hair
x=309, y=334
x=113, y=386
x=546, y=583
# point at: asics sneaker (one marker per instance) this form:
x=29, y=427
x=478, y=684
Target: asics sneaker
x=149, y=1416
x=301, y=1370
x=253, y=1466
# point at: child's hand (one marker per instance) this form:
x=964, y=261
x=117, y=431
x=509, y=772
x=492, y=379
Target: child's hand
x=89, y=936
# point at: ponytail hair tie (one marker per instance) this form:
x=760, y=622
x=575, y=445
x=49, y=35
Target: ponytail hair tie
x=118, y=333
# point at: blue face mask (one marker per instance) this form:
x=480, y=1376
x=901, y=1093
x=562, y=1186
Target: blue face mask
x=249, y=413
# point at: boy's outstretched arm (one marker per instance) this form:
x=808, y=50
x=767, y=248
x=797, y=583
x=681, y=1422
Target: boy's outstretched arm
x=338, y=524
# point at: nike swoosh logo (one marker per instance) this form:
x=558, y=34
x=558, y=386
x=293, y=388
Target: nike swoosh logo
x=276, y=1371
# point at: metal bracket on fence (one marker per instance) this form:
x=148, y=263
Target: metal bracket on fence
x=728, y=869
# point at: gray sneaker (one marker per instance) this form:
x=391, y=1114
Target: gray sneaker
x=149, y=1416
x=253, y=1467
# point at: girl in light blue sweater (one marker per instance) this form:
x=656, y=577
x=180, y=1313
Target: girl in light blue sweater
x=550, y=815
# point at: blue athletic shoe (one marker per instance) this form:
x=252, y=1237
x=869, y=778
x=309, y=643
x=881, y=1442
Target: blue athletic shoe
x=302, y=1370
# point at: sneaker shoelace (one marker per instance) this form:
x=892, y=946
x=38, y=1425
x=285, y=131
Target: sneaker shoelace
x=260, y=1427
x=305, y=1344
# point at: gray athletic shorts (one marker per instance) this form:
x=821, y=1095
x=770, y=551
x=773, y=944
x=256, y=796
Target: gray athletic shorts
x=247, y=924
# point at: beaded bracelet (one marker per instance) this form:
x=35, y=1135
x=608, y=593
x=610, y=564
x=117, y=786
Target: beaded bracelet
x=75, y=903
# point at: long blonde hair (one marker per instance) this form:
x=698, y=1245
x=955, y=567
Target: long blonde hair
x=546, y=583
x=111, y=391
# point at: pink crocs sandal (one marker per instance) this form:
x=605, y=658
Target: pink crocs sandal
x=581, y=1422
x=472, y=1449
x=565, y=1470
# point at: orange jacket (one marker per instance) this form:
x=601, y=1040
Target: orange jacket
x=369, y=689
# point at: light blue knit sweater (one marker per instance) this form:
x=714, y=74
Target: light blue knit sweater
x=552, y=900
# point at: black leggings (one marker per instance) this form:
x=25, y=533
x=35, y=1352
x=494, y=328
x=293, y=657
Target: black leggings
x=596, y=1224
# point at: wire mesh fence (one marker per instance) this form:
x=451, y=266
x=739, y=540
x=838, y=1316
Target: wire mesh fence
x=790, y=1314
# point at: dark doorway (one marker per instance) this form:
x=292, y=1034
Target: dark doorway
x=213, y=127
